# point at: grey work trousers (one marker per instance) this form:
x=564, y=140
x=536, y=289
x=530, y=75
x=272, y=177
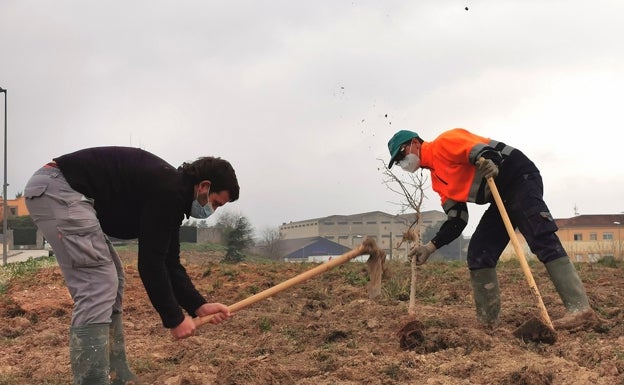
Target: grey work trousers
x=91, y=267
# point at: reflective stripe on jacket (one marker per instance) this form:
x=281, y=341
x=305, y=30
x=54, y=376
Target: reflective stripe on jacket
x=451, y=158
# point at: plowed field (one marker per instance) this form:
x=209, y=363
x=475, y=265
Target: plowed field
x=326, y=330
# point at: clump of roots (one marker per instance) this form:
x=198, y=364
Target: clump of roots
x=375, y=265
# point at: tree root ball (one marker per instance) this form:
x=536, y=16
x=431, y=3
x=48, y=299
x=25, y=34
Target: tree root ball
x=411, y=335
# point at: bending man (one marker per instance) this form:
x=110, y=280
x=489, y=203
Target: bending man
x=458, y=178
x=79, y=199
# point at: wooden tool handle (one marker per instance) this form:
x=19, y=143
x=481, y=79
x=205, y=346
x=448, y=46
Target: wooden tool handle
x=320, y=269
x=519, y=252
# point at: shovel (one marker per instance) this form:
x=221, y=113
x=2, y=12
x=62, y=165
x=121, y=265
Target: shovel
x=533, y=329
x=369, y=247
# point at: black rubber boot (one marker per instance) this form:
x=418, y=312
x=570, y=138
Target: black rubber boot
x=88, y=352
x=120, y=372
x=572, y=292
x=486, y=296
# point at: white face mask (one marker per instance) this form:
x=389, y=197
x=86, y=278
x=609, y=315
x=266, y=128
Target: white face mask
x=410, y=163
x=201, y=212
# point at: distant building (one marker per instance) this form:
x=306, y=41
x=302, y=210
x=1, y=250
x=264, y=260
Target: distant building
x=19, y=238
x=586, y=238
x=350, y=230
x=311, y=249
x=16, y=207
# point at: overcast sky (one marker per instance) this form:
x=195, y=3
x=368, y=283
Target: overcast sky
x=302, y=96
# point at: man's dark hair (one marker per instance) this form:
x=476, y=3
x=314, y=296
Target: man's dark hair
x=218, y=171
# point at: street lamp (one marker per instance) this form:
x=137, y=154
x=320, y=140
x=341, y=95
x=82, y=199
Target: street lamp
x=4, y=187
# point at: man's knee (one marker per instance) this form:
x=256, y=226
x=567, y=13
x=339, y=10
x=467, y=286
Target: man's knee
x=481, y=260
x=94, y=290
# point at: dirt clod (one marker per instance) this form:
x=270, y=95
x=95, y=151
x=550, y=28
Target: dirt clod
x=526, y=376
x=535, y=330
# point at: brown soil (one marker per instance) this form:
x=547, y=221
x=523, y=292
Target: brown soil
x=327, y=330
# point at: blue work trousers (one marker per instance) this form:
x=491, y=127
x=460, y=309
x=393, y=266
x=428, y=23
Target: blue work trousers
x=528, y=213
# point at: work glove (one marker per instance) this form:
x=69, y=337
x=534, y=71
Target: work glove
x=422, y=253
x=487, y=168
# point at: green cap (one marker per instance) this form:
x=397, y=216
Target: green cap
x=394, y=145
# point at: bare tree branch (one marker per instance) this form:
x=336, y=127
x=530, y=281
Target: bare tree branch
x=269, y=242
x=411, y=191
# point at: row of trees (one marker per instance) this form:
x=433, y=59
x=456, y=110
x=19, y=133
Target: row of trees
x=18, y=195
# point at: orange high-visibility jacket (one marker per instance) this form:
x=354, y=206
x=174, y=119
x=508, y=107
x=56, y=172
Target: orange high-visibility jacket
x=451, y=158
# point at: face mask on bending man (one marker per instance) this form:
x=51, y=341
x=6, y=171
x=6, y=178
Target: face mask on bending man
x=410, y=163
x=201, y=212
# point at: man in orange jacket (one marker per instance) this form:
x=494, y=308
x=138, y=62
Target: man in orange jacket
x=458, y=178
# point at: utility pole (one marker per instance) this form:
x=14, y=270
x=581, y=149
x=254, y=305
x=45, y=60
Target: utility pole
x=5, y=209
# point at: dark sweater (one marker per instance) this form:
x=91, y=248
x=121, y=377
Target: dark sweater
x=138, y=195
